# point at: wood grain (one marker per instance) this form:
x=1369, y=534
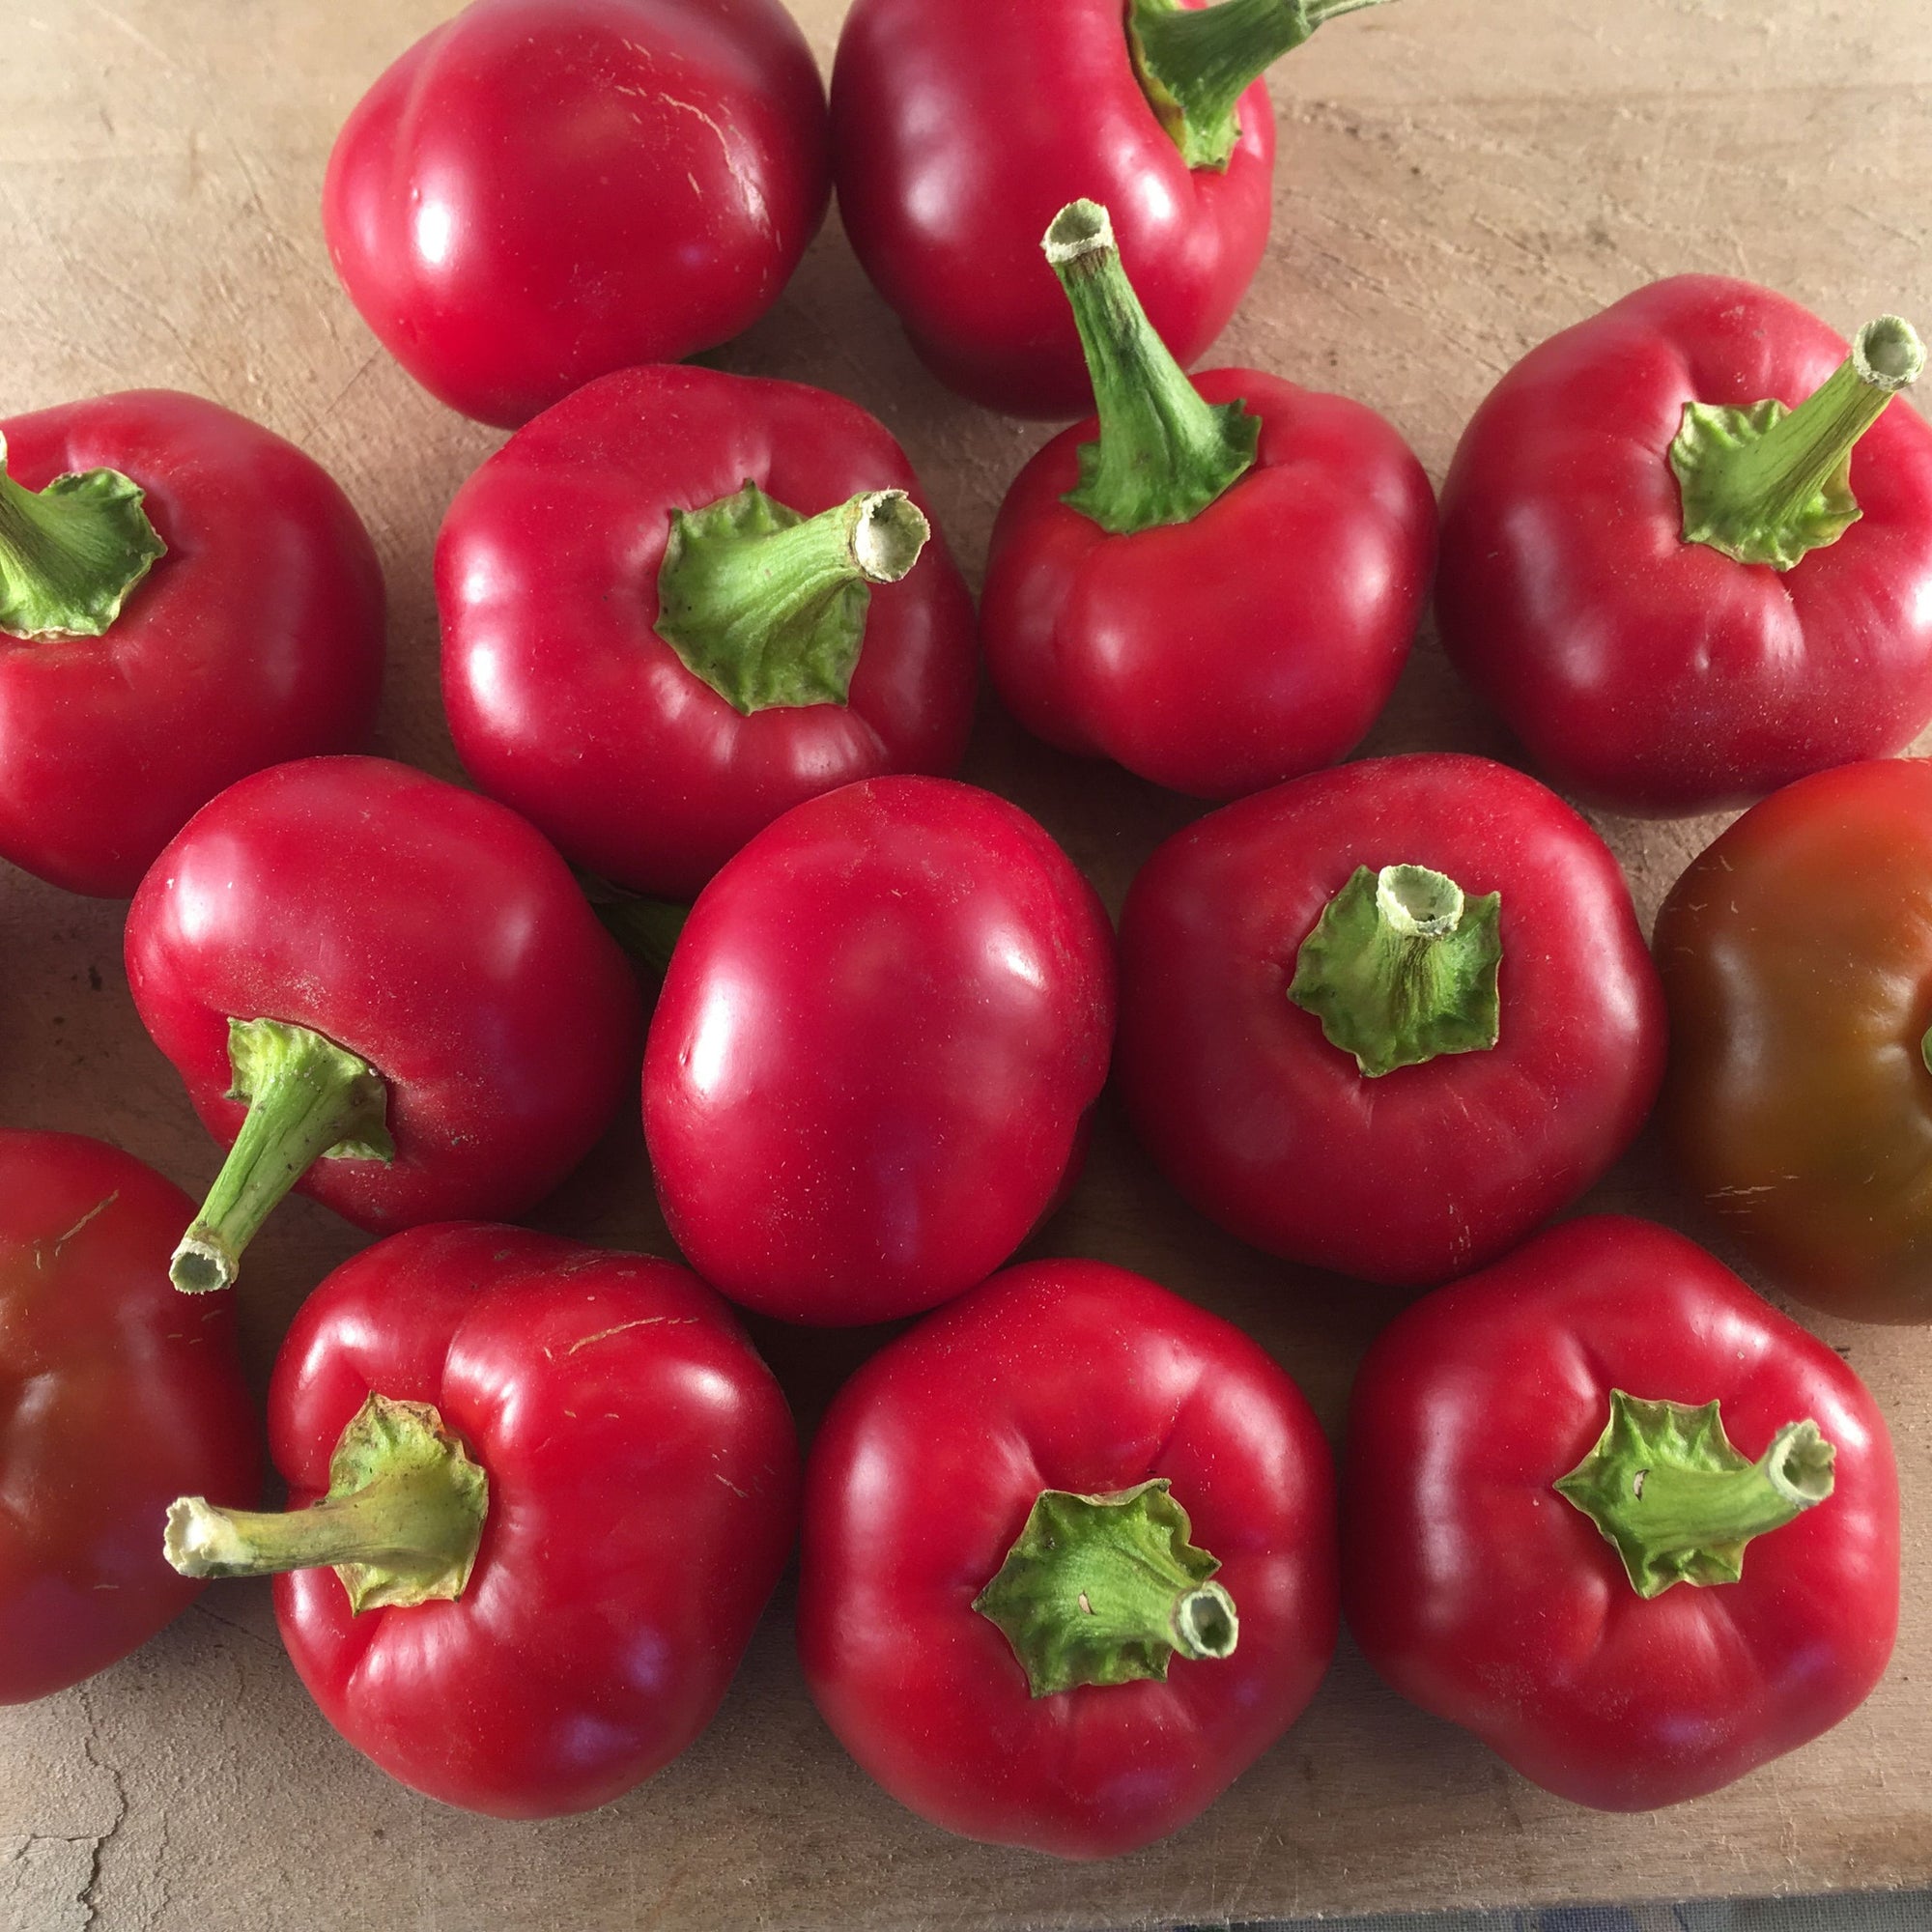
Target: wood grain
x=1458, y=178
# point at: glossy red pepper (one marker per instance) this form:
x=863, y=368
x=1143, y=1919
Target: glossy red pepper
x=1386, y=1020
x=116, y=1394
x=354, y=965
x=184, y=598
x=1068, y=1561
x=540, y=191
x=870, y=1068
x=1620, y=1517
x=1679, y=595
x=650, y=656
x=956, y=132
x=540, y=1493
x=1213, y=581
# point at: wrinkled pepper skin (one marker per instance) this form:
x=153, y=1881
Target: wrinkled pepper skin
x=541, y=192
x=957, y=132
x=566, y=703
x=117, y=1394
x=1480, y=1594
x=1429, y=1170
x=870, y=1071
x=1797, y=957
x=1076, y=1375
x=1645, y=673
x=431, y=932
x=1217, y=657
x=643, y=1497
x=256, y=638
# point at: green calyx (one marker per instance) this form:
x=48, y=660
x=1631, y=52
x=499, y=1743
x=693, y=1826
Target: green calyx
x=71, y=554
x=1764, y=484
x=1401, y=967
x=1163, y=454
x=400, y=1525
x=646, y=929
x=768, y=607
x=308, y=1099
x=1194, y=64
x=1107, y=1590
x=1666, y=1486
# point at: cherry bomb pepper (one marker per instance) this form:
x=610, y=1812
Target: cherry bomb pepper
x=1385, y=1019
x=1216, y=580
x=539, y=1494
x=116, y=1394
x=956, y=131
x=1068, y=1561
x=1687, y=549
x=1617, y=1516
x=681, y=602
x=382, y=989
x=185, y=597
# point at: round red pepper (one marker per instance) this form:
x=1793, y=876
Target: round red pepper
x=184, y=598
x=1797, y=957
x=540, y=191
x=349, y=959
x=1213, y=581
x=1386, y=1020
x=117, y=1395
x=1068, y=1562
x=869, y=1070
x=956, y=131
x=554, y=1486
x=1677, y=594
x=648, y=654
x=1553, y=1471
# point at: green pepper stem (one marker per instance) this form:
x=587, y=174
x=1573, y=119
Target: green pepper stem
x=401, y=1523
x=1195, y=63
x=307, y=1097
x=1164, y=453
x=646, y=929
x=768, y=607
x=1401, y=967
x=71, y=554
x=1764, y=484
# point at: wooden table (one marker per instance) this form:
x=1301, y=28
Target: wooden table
x=1458, y=178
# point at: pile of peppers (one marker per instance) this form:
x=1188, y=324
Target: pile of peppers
x=1073, y=1551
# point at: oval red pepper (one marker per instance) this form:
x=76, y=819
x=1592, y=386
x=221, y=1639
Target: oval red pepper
x=1797, y=957
x=540, y=1494
x=185, y=597
x=1679, y=595
x=650, y=656
x=540, y=191
x=118, y=1395
x=355, y=965
x=1617, y=1516
x=1213, y=581
x=956, y=132
x=1068, y=1562
x=870, y=1068
x=1386, y=1020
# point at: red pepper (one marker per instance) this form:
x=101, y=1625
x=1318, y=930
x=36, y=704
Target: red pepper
x=1213, y=581
x=651, y=656
x=870, y=1069
x=1068, y=1561
x=117, y=1395
x=1679, y=594
x=540, y=191
x=1620, y=1517
x=353, y=964
x=554, y=1486
x=1387, y=1019
x=956, y=131
x=183, y=599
